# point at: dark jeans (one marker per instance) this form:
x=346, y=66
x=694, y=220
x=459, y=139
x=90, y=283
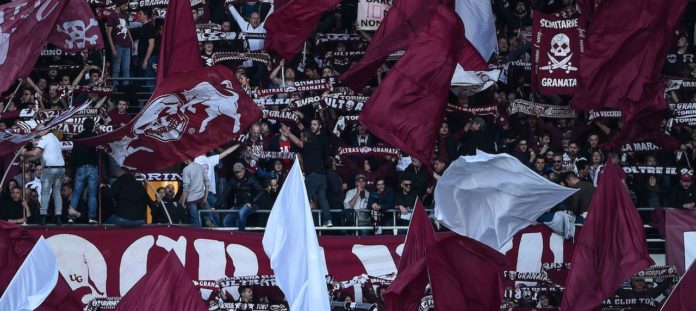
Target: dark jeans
x=316, y=186
x=239, y=218
x=123, y=222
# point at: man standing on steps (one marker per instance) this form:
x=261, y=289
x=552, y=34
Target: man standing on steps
x=315, y=148
x=85, y=160
x=48, y=149
x=209, y=163
x=195, y=194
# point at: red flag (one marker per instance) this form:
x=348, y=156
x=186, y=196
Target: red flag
x=26, y=25
x=77, y=28
x=414, y=93
x=407, y=290
x=179, y=51
x=290, y=25
x=167, y=288
x=682, y=297
x=611, y=246
x=188, y=115
x=465, y=275
x=620, y=67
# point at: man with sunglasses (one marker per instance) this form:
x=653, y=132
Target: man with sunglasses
x=404, y=201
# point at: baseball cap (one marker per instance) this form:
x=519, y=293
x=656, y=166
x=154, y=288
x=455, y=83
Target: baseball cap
x=360, y=176
x=238, y=167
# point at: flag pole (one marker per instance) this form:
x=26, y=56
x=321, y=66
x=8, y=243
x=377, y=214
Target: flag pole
x=2, y=182
x=24, y=211
x=159, y=199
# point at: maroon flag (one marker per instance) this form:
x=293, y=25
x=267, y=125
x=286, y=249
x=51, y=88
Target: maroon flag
x=414, y=93
x=290, y=25
x=188, y=114
x=167, y=288
x=404, y=20
x=179, y=51
x=407, y=289
x=26, y=25
x=620, y=68
x=557, y=47
x=680, y=234
x=465, y=274
x=77, y=28
x=682, y=297
x=611, y=246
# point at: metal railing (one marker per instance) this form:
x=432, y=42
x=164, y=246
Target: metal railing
x=317, y=213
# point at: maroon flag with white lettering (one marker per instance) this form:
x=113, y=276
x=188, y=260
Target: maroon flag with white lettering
x=26, y=26
x=188, y=115
x=557, y=47
x=77, y=28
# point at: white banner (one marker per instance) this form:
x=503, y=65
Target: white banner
x=371, y=13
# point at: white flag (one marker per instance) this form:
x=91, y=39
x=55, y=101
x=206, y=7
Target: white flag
x=490, y=197
x=291, y=244
x=34, y=280
x=479, y=25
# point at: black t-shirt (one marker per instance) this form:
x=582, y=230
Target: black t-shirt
x=147, y=32
x=314, y=152
x=84, y=154
x=11, y=210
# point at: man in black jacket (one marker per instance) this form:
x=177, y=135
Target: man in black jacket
x=244, y=193
x=131, y=201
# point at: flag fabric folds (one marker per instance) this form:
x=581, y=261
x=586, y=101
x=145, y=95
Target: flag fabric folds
x=682, y=297
x=404, y=20
x=490, y=197
x=624, y=53
x=15, y=245
x=291, y=244
x=465, y=275
x=188, y=115
x=26, y=26
x=179, y=50
x=291, y=24
x=611, y=246
x=33, y=281
x=479, y=27
x=166, y=288
x=407, y=289
x=414, y=93
x=407, y=18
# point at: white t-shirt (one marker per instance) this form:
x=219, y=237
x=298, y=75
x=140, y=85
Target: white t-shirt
x=209, y=164
x=52, y=154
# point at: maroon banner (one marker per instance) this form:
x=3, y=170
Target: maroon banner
x=556, y=48
x=680, y=238
x=108, y=261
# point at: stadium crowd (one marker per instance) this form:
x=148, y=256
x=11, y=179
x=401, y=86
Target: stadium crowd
x=83, y=185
